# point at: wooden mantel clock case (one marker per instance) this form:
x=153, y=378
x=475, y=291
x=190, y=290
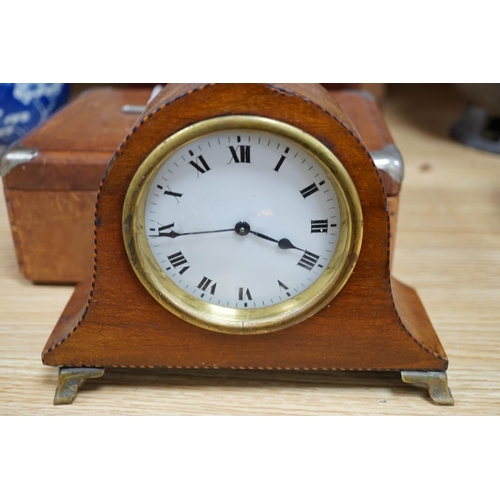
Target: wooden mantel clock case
x=245, y=226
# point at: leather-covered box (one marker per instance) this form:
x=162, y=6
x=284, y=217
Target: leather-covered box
x=52, y=175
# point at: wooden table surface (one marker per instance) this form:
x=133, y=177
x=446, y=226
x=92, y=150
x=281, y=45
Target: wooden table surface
x=447, y=247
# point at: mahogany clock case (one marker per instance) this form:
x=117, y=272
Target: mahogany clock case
x=374, y=323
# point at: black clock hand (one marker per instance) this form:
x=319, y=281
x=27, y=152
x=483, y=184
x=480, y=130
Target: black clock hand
x=174, y=234
x=284, y=243
x=243, y=228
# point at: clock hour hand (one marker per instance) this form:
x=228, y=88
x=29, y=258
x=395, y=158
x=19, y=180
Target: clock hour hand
x=284, y=243
x=243, y=228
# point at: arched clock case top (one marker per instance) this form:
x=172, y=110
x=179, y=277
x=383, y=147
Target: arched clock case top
x=136, y=313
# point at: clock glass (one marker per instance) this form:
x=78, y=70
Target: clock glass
x=242, y=224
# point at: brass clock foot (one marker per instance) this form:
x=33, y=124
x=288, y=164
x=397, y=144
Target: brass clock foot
x=436, y=382
x=70, y=380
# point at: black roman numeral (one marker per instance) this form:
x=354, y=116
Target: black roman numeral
x=281, y=160
x=171, y=193
x=161, y=230
x=244, y=294
x=242, y=157
x=308, y=260
x=309, y=190
x=283, y=288
x=205, y=283
x=319, y=226
x=201, y=168
x=177, y=260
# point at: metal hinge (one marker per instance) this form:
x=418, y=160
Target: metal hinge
x=14, y=156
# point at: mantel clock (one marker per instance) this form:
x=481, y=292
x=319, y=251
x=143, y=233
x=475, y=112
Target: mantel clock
x=244, y=226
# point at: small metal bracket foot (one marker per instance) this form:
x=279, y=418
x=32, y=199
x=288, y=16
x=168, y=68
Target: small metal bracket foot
x=436, y=382
x=70, y=380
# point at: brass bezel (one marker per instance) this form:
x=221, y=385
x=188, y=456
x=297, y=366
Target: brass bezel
x=243, y=321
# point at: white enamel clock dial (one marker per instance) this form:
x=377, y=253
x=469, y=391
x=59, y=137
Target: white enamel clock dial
x=241, y=227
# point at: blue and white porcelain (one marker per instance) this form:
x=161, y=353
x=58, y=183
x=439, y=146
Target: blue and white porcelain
x=23, y=106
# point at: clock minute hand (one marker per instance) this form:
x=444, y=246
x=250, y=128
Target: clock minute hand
x=174, y=234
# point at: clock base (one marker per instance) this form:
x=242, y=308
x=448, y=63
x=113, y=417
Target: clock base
x=70, y=380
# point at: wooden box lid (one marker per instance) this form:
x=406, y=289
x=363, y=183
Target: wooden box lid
x=71, y=150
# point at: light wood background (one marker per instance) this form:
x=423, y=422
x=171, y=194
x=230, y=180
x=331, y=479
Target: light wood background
x=448, y=248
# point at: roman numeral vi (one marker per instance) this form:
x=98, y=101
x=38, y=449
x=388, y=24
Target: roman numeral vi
x=244, y=294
